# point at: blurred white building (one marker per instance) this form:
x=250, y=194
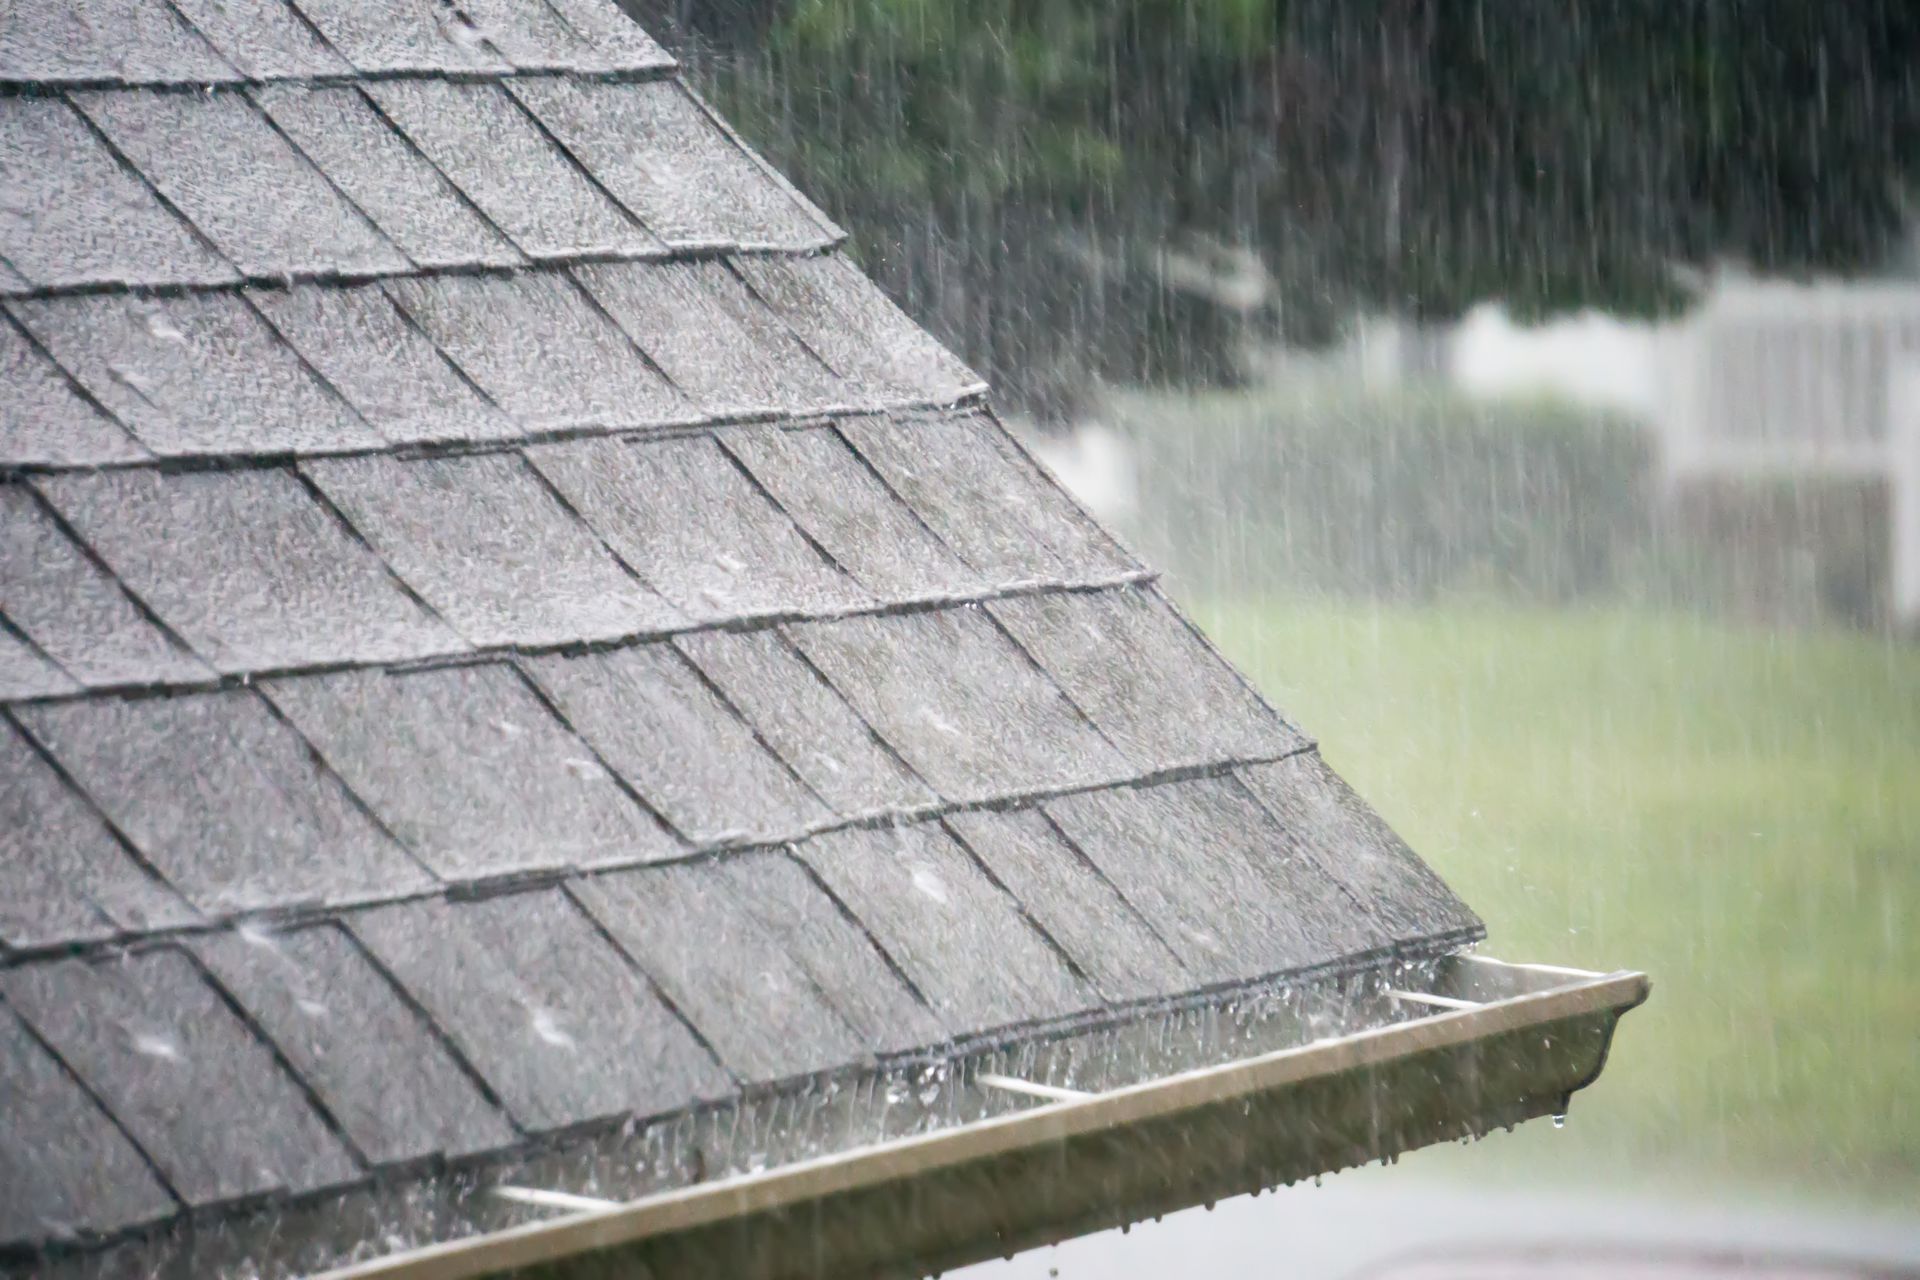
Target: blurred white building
x=1763, y=378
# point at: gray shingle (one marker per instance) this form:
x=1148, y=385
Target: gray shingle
x=74, y=215
x=533, y=37
x=535, y=344
x=858, y=330
x=12, y=281
x=138, y=41
x=695, y=527
x=223, y=166
x=1149, y=683
x=44, y=420
x=530, y=36
x=25, y=674
x=380, y=364
x=651, y=717
x=65, y=1166
x=375, y=1064
x=805, y=721
x=63, y=877
x=195, y=374
x=224, y=799
x=263, y=38
x=154, y=1043
x=849, y=511
x=940, y=918
x=1325, y=821
x=725, y=973
x=485, y=543
x=247, y=568
x=53, y=42
x=76, y=613
x=617, y=40
x=401, y=35
x=719, y=343
x=404, y=195
x=836, y=953
x=558, y=1024
x=659, y=153
x=498, y=156
x=978, y=491
x=1216, y=877
x=960, y=702
x=1070, y=900
x=468, y=769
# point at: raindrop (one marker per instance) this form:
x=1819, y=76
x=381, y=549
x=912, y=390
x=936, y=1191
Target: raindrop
x=939, y=723
x=460, y=33
x=163, y=328
x=155, y=1046
x=255, y=936
x=1560, y=1120
x=925, y=881
x=546, y=1025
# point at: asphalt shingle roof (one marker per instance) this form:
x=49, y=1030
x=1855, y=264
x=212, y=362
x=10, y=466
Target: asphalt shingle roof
x=504, y=629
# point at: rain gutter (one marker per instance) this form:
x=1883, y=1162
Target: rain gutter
x=1487, y=1045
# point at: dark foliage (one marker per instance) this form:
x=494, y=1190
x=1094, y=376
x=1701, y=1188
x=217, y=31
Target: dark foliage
x=1066, y=188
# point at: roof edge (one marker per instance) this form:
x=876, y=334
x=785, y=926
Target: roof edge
x=1513, y=1042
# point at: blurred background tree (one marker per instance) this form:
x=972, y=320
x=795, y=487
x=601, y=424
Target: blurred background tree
x=1072, y=190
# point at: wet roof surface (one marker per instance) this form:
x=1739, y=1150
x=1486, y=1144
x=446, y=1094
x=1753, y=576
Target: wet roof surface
x=504, y=630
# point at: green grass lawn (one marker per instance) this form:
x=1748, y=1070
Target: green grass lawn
x=1735, y=812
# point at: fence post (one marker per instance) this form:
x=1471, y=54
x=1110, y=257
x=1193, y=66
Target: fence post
x=1683, y=410
x=1903, y=485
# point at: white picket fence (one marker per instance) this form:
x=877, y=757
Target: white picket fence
x=1784, y=379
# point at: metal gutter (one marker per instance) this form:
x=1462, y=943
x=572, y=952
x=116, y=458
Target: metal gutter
x=1527, y=1038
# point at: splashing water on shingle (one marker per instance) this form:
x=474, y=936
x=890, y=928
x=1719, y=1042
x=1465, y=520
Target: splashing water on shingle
x=163, y=328
x=458, y=31
x=153, y=1045
x=547, y=1025
x=928, y=882
x=256, y=935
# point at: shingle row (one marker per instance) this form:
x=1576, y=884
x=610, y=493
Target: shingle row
x=422, y=1031
x=139, y=188
x=437, y=1028
x=102, y=379
x=140, y=577
x=212, y=42
x=367, y=784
